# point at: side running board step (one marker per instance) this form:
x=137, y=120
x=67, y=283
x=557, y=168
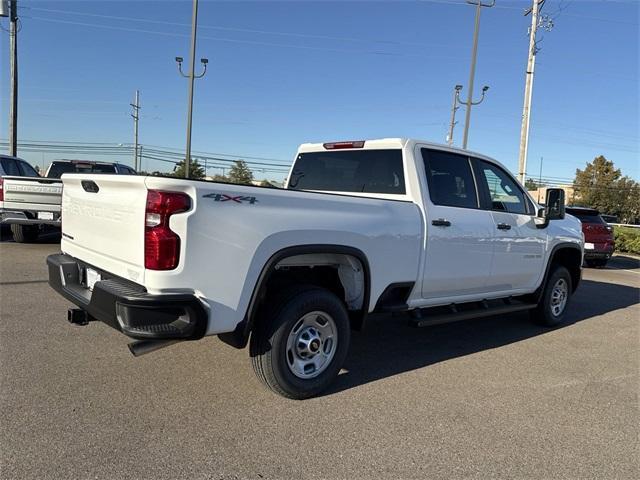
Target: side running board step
x=426, y=321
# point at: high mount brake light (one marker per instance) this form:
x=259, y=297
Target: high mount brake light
x=341, y=145
x=161, y=244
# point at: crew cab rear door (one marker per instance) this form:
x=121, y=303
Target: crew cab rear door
x=459, y=248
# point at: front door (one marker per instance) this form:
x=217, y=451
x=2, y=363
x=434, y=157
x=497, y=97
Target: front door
x=518, y=253
x=459, y=250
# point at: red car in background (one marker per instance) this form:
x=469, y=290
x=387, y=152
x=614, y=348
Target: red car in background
x=598, y=236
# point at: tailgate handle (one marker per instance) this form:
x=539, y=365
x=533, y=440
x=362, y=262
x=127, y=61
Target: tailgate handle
x=90, y=186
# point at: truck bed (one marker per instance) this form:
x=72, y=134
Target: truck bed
x=230, y=233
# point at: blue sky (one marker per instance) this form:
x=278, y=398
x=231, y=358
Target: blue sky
x=283, y=73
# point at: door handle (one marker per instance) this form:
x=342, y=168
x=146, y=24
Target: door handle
x=504, y=226
x=441, y=222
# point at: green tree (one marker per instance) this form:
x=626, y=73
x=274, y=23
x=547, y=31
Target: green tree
x=240, y=173
x=196, y=171
x=628, y=198
x=600, y=185
x=221, y=179
x=531, y=184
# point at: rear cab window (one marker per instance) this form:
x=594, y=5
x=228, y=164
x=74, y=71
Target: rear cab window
x=352, y=171
x=59, y=168
x=587, y=216
x=27, y=170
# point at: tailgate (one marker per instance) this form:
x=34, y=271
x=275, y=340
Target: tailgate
x=29, y=191
x=103, y=222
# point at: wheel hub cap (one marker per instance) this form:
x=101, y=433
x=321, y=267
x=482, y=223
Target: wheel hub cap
x=559, y=296
x=311, y=344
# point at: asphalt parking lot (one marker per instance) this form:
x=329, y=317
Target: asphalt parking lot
x=496, y=397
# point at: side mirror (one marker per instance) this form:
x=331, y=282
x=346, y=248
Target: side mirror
x=554, y=204
x=554, y=208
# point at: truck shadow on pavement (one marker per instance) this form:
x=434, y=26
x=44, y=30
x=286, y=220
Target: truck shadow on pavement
x=389, y=346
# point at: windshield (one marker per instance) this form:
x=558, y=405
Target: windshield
x=58, y=168
x=368, y=171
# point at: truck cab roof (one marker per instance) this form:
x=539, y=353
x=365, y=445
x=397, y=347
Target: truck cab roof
x=390, y=143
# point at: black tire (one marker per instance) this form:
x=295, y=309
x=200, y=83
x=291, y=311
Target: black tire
x=270, y=355
x=24, y=233
x=545, y=313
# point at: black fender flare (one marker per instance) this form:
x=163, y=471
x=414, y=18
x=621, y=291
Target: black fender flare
x=240, y=336
x=554, y=251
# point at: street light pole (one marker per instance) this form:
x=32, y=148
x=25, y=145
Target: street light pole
x=136, y=117
x=192, y=76
x=472, y=71
x=13, y=93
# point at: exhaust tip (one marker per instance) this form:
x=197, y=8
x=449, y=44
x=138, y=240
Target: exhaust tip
x=143, y=347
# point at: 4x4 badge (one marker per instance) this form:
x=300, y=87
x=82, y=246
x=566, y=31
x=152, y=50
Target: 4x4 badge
x=223, y=197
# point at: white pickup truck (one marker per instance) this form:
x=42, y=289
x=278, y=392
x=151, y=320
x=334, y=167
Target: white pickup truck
x=29, y=201
x=384, y=225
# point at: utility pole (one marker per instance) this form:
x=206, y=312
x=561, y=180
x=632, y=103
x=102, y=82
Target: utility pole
x=472, y=71
x=191, y=77
x=13, y=93
x=540, y=178
x=136, y=117
x=528, y=86
x=454, y=109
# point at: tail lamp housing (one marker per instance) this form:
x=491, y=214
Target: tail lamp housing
x=161, y=244
x=1, y=190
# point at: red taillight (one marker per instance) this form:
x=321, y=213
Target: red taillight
x=1, y=189
x=161, y=244
x=339, y=145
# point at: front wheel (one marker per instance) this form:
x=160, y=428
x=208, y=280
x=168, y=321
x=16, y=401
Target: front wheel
x=555, y=298
x=300, y=344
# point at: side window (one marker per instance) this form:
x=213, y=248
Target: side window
x=27, y=170
x=449, y=179
x=505, y=194
x=10, y=167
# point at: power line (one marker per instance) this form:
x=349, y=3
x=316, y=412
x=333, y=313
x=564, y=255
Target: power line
x=256, y=42
x=239, y=29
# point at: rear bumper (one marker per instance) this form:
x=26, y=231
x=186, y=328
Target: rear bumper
x=127, y=306
x=26, y=217
x=598, y=253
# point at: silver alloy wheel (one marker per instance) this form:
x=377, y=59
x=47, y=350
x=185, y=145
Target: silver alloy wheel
x=559, y=296
x=311, y=344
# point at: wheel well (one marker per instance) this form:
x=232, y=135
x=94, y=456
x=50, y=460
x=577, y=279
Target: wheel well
x=571, y=259
x=341, y=270
x=341, y=274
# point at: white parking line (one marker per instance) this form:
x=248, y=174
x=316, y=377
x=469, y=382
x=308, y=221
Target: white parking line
x=623, y=269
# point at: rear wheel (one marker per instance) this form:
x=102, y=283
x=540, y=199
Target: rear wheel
x=24, y=233
x=555, y=298
x=300, y=344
